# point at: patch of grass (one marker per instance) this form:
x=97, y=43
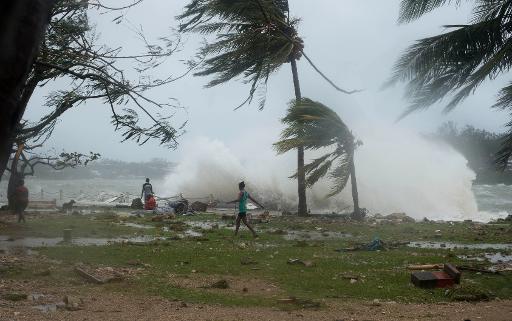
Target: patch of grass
x=377, y=275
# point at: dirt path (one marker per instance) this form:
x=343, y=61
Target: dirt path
x=116, y=307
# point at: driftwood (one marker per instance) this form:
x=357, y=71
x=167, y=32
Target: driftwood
x=89, y=277
x=98, y=280
x=425, y=267
x=460, y=267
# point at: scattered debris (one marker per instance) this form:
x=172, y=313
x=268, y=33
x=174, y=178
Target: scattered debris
x=375, y=245
x=440, y=279
x=99, y=275
x=137, y=204
x=199, y=207
x=395, y=218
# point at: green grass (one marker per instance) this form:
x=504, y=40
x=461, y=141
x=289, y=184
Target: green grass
x=381, y=275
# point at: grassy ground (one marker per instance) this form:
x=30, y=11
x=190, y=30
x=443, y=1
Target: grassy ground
x=379, y=275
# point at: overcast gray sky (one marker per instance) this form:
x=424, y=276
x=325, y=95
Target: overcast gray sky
x=355, y=42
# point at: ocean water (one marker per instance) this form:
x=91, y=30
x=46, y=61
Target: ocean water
x=494, y=201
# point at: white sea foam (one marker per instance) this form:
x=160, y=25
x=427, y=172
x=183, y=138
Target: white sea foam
x=397, y=170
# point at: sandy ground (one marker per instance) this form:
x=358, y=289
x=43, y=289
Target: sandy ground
x=99, y=305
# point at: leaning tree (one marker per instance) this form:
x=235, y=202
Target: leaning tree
x=459, y=60
x=89, y=71
x=22, y=25
x=28, y=158
x=253, y=39
x=319, y=128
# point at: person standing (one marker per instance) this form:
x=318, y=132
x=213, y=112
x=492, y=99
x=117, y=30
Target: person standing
x=20, y=201
x=147, y=189
x=243, y=196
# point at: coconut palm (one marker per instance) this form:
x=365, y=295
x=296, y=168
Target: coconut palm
x=254, y=38
x=317, y=127
x=456, y=62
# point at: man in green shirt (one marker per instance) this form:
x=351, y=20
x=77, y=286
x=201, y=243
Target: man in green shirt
x=243, y=196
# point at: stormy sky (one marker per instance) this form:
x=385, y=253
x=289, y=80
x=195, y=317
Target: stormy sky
x=355, y=42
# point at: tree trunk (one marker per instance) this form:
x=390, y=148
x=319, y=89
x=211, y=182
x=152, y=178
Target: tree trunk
x=22, y=26
x=301, y=174
x=355, y=195
x=14, y=178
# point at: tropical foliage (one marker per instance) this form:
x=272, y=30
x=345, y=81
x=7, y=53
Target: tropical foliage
x=319, y=128
x=456, y=62
x=254, y=38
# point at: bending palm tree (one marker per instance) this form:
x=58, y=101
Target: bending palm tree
x=455, y=63
x=315, y=126
x=254, y=38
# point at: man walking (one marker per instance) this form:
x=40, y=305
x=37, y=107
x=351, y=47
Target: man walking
x=243, y=196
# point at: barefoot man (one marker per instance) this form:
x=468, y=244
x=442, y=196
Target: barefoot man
x=243, y=196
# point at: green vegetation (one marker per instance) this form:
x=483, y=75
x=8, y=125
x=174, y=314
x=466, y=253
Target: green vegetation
x=314, y=126
x=358, y=275
x=455, y=63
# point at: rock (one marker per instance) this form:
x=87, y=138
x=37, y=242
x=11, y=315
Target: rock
x=73, y=303
x=376, y=303
x=137, y=204
x=14, y=296
x=199, y=207
x=221, y=284
x=352, y=281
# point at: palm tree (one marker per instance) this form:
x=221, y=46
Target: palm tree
x=317, y=127
x=456, y=62
x=254, y=38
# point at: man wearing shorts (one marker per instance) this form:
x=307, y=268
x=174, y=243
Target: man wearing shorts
x=243, y=196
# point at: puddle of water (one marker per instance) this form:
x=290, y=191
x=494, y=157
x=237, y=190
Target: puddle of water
x=450, y=245
x=135, y=225
x=192, y=233
x=10, y=246
x=314, y=235
x=494, y=258
x=207, y=225
x=498, y=258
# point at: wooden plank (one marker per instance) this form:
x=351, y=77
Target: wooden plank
x=89, y=277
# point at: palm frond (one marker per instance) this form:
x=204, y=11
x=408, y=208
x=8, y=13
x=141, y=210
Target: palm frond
x=340, y=176
x=250, y=43
x=454, y=64
x=315, y=126
x=413, y=9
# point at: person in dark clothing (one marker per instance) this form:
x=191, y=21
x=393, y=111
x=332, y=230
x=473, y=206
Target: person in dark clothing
x=20, y=201
x=147, y=189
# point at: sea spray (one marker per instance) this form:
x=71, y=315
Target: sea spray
x=403, y=171
x=398, y=171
